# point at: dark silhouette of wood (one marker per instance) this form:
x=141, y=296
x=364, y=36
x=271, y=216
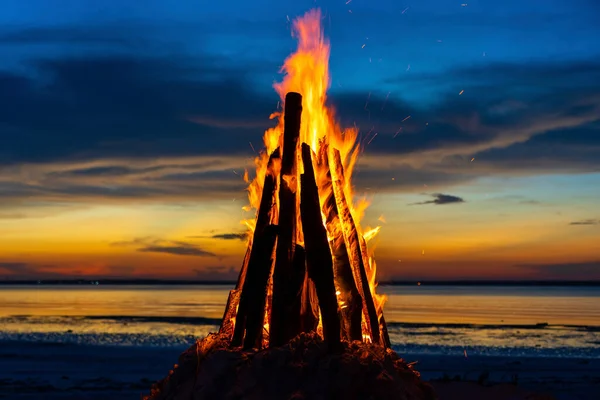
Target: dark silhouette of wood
x=385, y=338
x=228, y=322
x=250, y=314
x=351, y=309
x=282, y=314
x=294, y=294
x=318, y=254
x=309, y=312
x=233, y=300
x=353, y=245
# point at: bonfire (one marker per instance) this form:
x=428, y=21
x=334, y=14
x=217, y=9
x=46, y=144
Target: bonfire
x=305, y=319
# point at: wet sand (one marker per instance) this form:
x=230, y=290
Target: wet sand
x=59, y=371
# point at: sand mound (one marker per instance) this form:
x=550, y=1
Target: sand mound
x=302, y=369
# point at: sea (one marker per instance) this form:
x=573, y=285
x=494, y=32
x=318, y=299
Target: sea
x=465, y=320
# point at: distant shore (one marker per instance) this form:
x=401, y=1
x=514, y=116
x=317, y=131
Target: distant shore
x=183, y=282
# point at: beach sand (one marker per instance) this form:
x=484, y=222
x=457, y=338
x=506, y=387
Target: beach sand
x=30, y=370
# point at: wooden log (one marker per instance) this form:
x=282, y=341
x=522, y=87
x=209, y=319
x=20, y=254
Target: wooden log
x=294, y=294
x=233, y=300
x=281, y=312
x=353, y=245
x=228, y=321
x=351, y=309
x=310, y=306
x=385, y=338
x=318, y=254
x=252, y=298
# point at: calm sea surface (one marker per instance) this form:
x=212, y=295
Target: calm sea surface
x=562, y=321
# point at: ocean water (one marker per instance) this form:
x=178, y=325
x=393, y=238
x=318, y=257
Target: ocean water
x=444, y=320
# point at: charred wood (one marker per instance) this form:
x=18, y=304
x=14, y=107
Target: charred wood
x=351, y=309
x=318, y=255
x=351, y=237
x=281, y=316
x=251, y=308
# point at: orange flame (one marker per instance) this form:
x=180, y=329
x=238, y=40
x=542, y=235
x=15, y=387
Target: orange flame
x=307, y=72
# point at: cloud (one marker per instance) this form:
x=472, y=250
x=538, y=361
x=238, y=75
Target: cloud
x=582, y=270
x=118, y=127
x=586, y=222
x=231, y=236
x=217, y=273
x=154, y=245
x=441, y=199
x=27, y=270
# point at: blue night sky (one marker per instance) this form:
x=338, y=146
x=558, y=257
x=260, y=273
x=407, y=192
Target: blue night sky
x=122, y=123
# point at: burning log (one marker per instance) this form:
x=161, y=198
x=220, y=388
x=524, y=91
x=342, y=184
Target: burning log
x=310, y=306
x=353, y=245
x=281, y=314
x=233, y=300
x=351, y=301
x=385, y=338
x=251, y=309
x=318, y=254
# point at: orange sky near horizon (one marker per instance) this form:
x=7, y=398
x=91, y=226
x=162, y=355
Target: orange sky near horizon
x=482, y=238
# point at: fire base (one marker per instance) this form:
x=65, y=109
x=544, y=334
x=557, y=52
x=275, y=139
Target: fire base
x=302, y=369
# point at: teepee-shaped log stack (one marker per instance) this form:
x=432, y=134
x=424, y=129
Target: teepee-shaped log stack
x=285, y=287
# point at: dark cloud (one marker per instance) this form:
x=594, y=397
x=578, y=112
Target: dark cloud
x=122, y=127
x=441, y=199
x=586, y=222
x=154, y=245
x=217, y=273
x=27, y=270
x=179, y=249
x=231, y=236
x=581, y=270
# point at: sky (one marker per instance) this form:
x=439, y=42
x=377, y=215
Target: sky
x=125, y=128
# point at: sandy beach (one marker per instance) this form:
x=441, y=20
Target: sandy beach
x=60, y=371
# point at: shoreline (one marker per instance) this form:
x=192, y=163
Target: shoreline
x=62, y=371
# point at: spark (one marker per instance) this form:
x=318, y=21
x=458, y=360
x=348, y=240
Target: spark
x=408, y=68
x=252, y=147
x=288, y=18
x=393, y=179
x=407, y=118
x=461, y=92
x=386, y=98
x=465, y=350
x=397, y=132
x=337, y=293
x=368, y=98
x=423, y=252
x=349, y=1
x=350, y=11
x=464, y=5
x=405, y=10
x=381, y=218
x=372, y=138
x=363, y=46
x=412, y=363
x=369, y=59
x=472, y=159
x=235, y=172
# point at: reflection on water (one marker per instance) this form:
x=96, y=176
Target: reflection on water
x=485, y=320
x=435, y=304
